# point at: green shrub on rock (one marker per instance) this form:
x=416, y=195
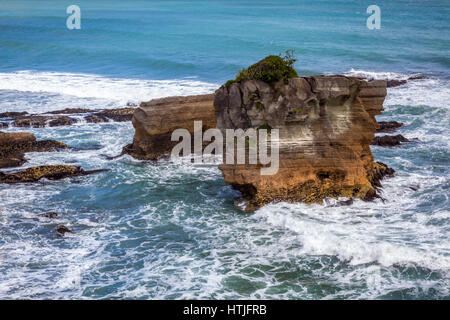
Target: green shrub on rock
x=271, y=69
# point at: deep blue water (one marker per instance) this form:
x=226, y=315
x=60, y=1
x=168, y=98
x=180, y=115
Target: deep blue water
x=145, y=230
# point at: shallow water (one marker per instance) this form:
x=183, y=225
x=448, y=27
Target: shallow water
x=165, y=231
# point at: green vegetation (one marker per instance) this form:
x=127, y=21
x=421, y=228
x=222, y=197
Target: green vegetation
x=265, y=126
x=259, y=106
x=271, y=69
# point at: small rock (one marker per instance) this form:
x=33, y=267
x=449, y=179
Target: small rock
x=96, y=118
x=345, y=202
x=71, y=111
x=50, y=215
x=34, y=174
x=417, y=77
x=62, y=121
x=389, y=141
x=62, y=230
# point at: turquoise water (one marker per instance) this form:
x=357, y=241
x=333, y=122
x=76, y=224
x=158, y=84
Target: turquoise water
x=165, y=231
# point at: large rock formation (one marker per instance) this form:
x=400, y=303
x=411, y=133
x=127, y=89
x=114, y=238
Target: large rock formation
x=154, y=122
x=326, y=125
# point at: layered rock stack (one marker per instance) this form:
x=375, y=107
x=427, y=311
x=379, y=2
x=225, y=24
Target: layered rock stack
x=154, y=122
x=325, y=126
x=325, y=123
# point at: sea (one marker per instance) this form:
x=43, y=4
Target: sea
x=163, y=230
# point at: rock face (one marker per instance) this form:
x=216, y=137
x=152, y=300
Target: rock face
x=154, y=122
x=13, y=147
x=326, y=125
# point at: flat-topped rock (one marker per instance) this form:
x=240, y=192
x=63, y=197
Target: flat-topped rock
x=326, y=125
x=154, y=122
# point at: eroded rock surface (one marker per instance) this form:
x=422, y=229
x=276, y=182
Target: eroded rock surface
x=326, y=125
x=154, y=122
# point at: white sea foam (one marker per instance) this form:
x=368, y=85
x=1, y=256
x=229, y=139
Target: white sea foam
x=56, y=90
x=431, y=92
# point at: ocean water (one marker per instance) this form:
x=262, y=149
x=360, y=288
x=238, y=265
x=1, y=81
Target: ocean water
x=171, y=231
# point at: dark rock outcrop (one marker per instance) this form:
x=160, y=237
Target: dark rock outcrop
x=50, y=215
x=389, y=126
x=154, y=122
x=13, y=147
x=34, y=121
x=117, y=115
x=389, y=141
x=72, y=111
x=60, y=118
x=61, y=230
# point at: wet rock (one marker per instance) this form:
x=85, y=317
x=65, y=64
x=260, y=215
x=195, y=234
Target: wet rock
x=419, y=77
x=3, y=125
x=50, y=215
x=34, y=174
x=389, y=141
x=346, y=202
x=62, y=121
x=118, y=115
x=389, y=126
x=72, y=111
x=95, y=118
x=12, y=115
x=32, y=121
x=62, y=230
x=14, y=145
x=41, y=121
x=395, y=83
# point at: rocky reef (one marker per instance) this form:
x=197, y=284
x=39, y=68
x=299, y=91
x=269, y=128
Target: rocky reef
x=326, y=125
x=61, y=117
x=154, y=122
x=35, y=174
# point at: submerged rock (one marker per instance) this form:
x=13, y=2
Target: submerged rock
x=62, y=230
x=50, y=215
x=14, y=145
x=117, y=115
x=395, y=83
x=35, y=174
x=154, y=122
x=325, y=123
x=389, y=126
x=11, y=115
x=72, y=111
x=389, y=141
x=60, y=118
